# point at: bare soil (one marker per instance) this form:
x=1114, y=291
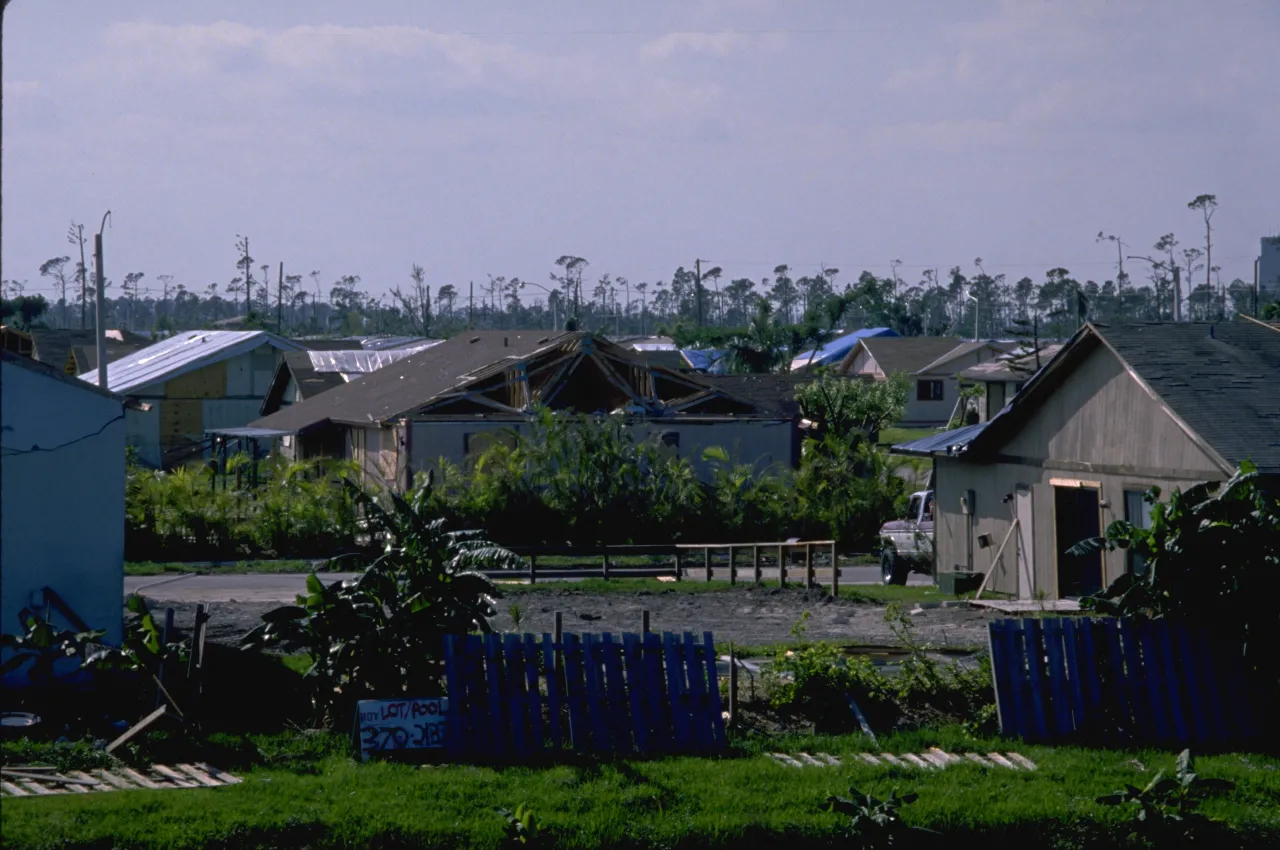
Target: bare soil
x=751, y=616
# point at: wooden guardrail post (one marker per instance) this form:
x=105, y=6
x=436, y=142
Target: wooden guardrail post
x=835, y=571
x=808, y=565
x=706, y=561
x=733, y=564
x=782, y=566
x=533, y=568
x=604, y=561
x=755, y=563
x=678, y=569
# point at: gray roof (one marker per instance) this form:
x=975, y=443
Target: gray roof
x=54, y=345
x=945, y=442
x=1219, y=379
x=960, y=351
x=407, y=384
x=772, y=394
x=182, y=353
x=896, y=354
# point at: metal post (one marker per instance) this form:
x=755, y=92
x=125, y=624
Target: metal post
x=678, y=569
x=755, y=563
x=808, y=565
x=559, y=628
x=605, y=563
x=733, y=565
x=835, y=571
x=706, y=561
x=782, y=567
x=733, y=685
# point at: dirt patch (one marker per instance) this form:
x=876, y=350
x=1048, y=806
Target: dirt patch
x=746, y=616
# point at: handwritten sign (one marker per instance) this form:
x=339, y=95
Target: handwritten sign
x=385, y=727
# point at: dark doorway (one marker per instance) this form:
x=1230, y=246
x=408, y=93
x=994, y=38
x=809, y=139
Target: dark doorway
x=1076, y=518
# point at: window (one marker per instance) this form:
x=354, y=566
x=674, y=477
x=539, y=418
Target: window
x=927, y=516
x=928, y=390
x=670, y=438
x=1137, y=513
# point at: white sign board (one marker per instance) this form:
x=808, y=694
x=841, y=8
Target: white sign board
x=387, y=726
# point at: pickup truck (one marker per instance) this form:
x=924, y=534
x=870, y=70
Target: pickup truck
x=908, y=543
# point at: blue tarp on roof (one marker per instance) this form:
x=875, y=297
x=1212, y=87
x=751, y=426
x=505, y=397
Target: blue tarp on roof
x=944, y=442
x=710, y=360
x=835, y=350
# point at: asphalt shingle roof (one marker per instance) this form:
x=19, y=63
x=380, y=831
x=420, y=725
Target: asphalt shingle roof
x=910, y=354
x=1223, y=380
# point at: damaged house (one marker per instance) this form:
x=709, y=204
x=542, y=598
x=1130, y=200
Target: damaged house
x=451, y=400
x=1118, y=410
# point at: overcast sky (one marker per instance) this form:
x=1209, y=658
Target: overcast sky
x=490, y=138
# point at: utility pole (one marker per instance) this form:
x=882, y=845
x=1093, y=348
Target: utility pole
x=697, y=287
x=471, y=306
x=248, y=283
x=280, y=301
x=100, y=306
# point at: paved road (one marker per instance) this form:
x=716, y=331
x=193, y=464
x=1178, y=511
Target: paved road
x=283, y=587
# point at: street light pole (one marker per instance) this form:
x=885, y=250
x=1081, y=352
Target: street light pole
x=100, y=305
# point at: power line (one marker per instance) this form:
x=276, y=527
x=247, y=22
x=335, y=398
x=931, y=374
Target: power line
x=6, y=451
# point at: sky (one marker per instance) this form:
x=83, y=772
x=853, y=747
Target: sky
x=491, y=138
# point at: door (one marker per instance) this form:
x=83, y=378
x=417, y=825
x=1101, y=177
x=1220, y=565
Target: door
x=1025, y=553
x=1076, y=518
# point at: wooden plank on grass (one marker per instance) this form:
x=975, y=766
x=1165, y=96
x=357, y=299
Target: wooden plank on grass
x=10, y=788
x=1002, y=761
x=893, y=760
x=977, y=759
x=869, y=759
x=1021, y=761
x=142, y=780
x=934, y=759
x=174, y=777
x=110, y=778
x=1035, y=677
x=36, y=788
x=136, y=728
x=220, y=775
x=808, y=759
x=677, y=694
x=1061, y=712
x=917, y=761
x=616, y=693
x=537, y=741
x=597, y=707
x=641, y=722
x=198, y=775
x=575, y=694
x=830, y=759
x=98, y=784
x=553, y=691
x=656, y=691
x=786, y=760
x=699, y=716
x=719, y=739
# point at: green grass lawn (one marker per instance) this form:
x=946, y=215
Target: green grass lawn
x=327, y=800
x=151, y=568
x=872, y=593
x=893, y=436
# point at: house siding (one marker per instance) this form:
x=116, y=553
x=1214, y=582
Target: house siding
x=925, y=413
x=1100, y=426
x=62, y=515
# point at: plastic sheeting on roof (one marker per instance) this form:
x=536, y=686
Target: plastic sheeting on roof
x=350, y=362
x=835, y=350
x=710, y=360
x=182, y=353
x=945, y=442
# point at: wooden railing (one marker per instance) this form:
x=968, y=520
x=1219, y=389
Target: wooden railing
x=687, y=558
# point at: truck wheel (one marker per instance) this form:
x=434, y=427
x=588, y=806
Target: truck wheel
x=892, y=571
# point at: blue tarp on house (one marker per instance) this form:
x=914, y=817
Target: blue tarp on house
x=834, y=351
x=709, y=360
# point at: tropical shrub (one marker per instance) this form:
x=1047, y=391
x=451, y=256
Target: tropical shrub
x=1165, y=810
x=380, y=635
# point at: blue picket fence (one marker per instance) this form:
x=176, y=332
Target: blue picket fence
x=517, y=696
x=1118, y=681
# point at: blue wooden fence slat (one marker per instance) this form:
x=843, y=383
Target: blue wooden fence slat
x=1174, y=688
x=553, y=690
x=637, y=683
x=1023, y=726
x=597, y=708
x=1154, y=668
x=616, y=693
x=1061, y=712
x=1000, y=664
x=575, y=690
x=659, y=695
x=537, y=741
x=1212, y=689
x=713, y=684
x=1074, y=670
x=1035, y=677
x=1193, y=684
x=677, y=695
x=1231, y=685
x=493, y=667
x=1135, y=681
x=478, y=691
x=1086, y=629
x=699, y=720
x=1117, y=688
x=516, y=703
x=453, y=682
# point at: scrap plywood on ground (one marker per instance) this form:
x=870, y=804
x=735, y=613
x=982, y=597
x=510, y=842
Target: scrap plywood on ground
x=934, y=759
x=43, y=781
